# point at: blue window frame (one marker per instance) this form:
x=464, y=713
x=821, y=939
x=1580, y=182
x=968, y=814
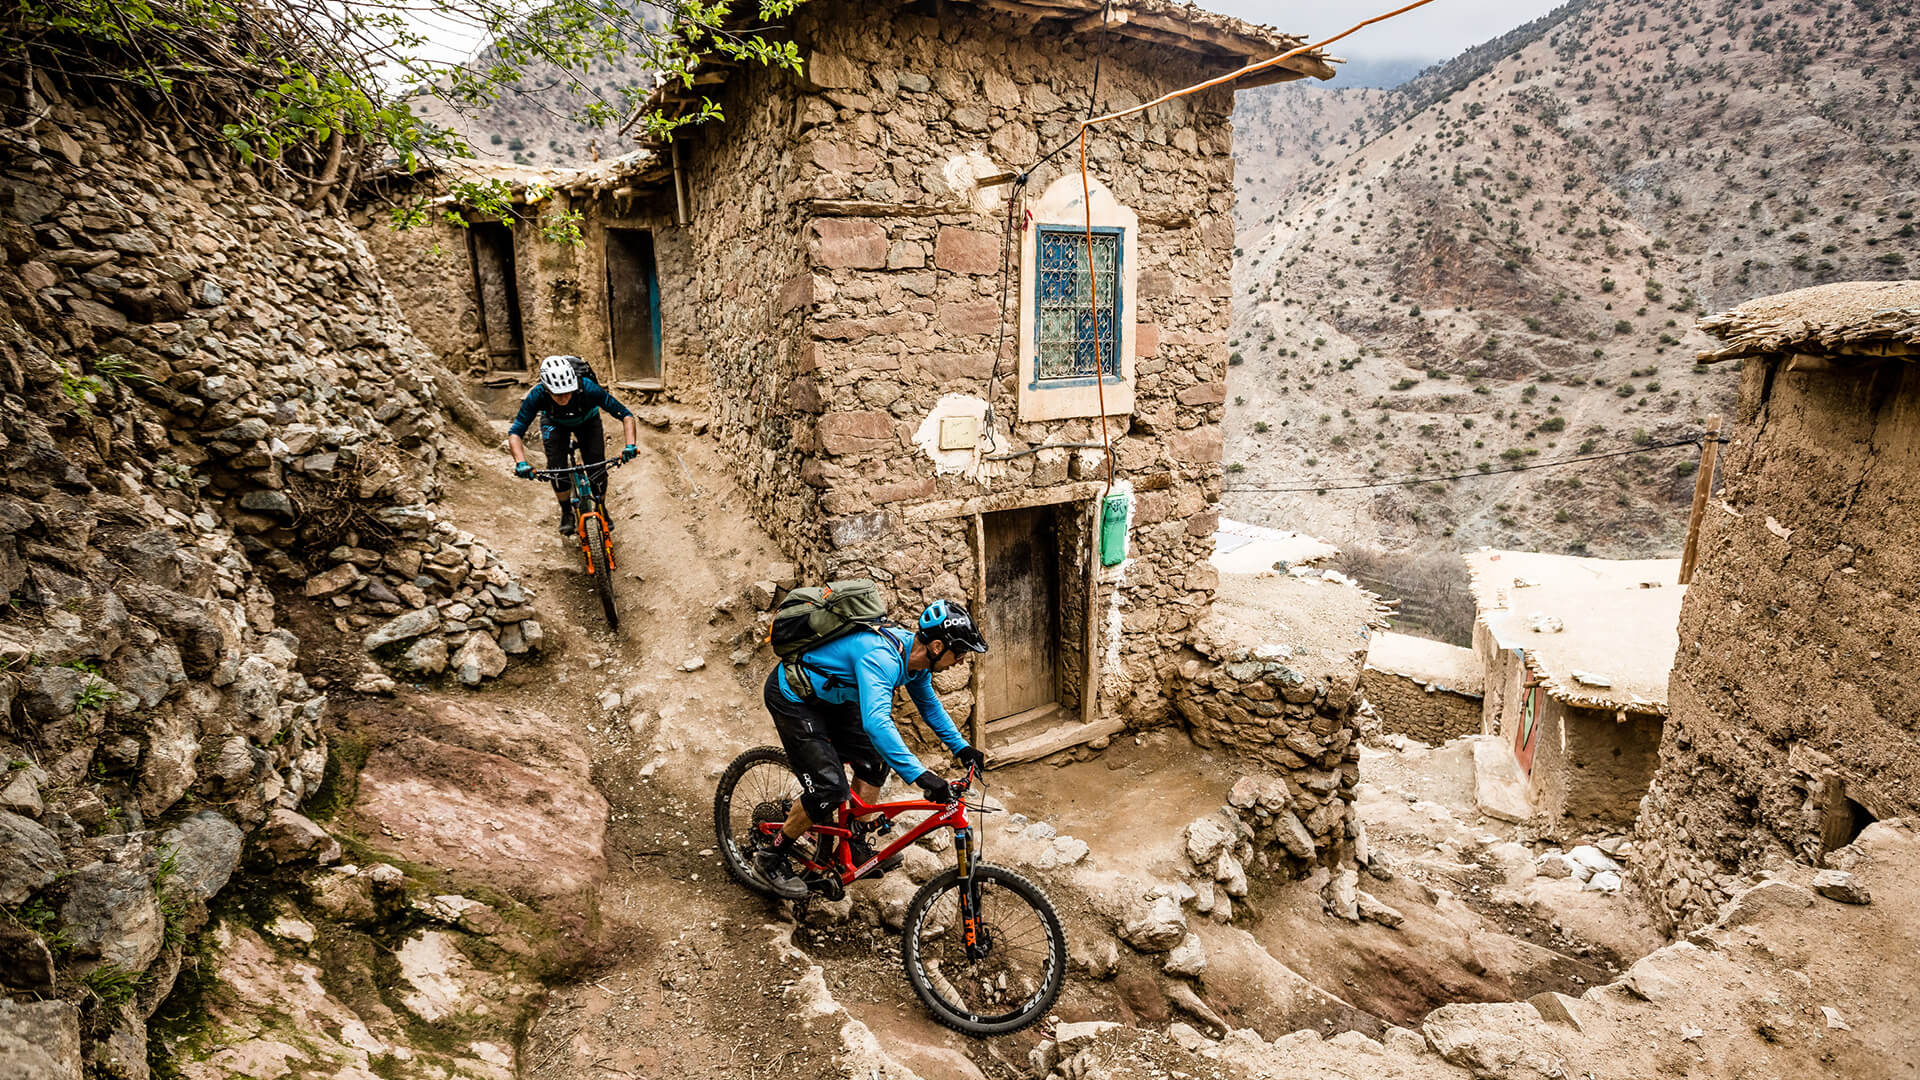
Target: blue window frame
x=1067, y=325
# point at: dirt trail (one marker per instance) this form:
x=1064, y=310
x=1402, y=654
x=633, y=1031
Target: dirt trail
x=696, y=978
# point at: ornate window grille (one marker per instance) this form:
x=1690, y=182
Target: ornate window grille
x=1067, y=321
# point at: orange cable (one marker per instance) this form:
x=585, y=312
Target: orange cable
x=1086, y=194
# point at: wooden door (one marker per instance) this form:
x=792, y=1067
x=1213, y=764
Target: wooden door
x=1021, y=612
x=490, y=247
x=633, y=305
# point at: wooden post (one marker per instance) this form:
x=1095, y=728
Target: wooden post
x=979, y=724
x=1702, y=484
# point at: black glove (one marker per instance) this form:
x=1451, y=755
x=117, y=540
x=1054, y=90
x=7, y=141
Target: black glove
x=936, y=787
x=971, y=757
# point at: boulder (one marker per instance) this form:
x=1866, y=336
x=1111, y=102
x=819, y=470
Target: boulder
x=333, y=582
x=112, y=917
x=20, y=791
x=39, y=1040
x=288, y=836
x=404, y=627
x=1294, y=836
x=1507, y=1040
x=204, y=849
x=1372, y=909
x=1096, y=954
x=1842, y=886
x=1342, y=895
x=1068, y=1036
x=428, y=656
x=26, y=963
x=1154, y=925
x=1187, y=958
x=30, y=858
x=480, y=658
x=1206, y=837
x=1061, y=851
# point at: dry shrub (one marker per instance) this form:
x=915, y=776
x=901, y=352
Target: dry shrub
x=1436, y=599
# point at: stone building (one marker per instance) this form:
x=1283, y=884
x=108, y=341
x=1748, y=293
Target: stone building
x=1426, y=689
x=1576, y=654
x=823, y=269
x=1794, y=721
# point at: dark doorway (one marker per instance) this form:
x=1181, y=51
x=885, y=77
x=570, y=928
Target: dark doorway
x=1022, y=616
x=633, y=305
x=490, y=250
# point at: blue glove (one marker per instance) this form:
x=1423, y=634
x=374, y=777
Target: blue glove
x=522, y=470
x=629, y=452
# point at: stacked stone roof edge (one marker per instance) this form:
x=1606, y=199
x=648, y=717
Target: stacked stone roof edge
x=1848, y=319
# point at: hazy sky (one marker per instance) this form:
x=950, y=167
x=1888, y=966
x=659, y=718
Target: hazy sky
x=1434, y=32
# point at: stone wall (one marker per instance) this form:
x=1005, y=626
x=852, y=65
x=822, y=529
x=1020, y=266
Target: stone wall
x=1799, y=663
x=1432, y=714
x=206, y=398
x=1285, y=699
x=427, y=269
x=901, y=294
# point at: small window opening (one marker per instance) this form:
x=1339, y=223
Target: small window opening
x=1079, y=308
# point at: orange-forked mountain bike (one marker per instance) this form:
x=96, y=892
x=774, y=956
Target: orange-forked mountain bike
x=590, y=526
x=983, y=948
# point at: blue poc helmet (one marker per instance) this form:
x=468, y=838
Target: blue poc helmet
x=949, y=621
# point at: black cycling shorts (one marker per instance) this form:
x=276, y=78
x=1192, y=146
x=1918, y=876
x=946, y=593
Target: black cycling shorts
x=821, y=739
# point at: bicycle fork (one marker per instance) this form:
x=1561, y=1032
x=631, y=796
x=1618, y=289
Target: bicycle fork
x=975, y=934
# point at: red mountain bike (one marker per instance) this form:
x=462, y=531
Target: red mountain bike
x=982, y=945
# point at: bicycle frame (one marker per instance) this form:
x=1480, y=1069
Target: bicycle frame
x=951, y=815
x=584, y=502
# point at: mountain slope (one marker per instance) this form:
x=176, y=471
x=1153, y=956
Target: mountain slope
x=1510, y=273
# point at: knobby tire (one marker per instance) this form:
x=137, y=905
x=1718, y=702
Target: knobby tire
x=601, y=574
x=926, y=984
x=727, y=831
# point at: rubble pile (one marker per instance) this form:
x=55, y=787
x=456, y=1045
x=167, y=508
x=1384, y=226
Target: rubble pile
x=205, y=394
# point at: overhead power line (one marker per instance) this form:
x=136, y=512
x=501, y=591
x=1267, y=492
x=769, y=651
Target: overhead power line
x=1339, y=484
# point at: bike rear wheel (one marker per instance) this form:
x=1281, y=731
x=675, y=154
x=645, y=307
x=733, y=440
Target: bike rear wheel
x=600, y=568
x=1019, y=976
x=757, y=787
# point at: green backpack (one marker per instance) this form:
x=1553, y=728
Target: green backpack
x=813, y=616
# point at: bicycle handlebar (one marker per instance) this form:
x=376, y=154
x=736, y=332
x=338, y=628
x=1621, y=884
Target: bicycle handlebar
x=548, y=474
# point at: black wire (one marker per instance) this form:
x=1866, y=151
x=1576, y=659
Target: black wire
x=1093, y=96
x=1415, y=481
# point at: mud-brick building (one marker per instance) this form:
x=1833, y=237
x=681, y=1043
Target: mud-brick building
x=1426, y=689
x=826, y=273
x=1575, y=655
x=1796, y=692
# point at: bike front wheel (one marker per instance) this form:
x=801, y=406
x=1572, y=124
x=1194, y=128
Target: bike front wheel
x=1013, y=974
x=600, y=568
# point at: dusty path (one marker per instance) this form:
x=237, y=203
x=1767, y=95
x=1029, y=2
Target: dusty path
x=699, y=978
x=695, y=979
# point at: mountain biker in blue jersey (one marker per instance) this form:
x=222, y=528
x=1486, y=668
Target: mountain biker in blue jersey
x=568, y=405
x=833, y=708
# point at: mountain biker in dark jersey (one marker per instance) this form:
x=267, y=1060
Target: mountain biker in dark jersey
x=833, y=708
x=569, y=405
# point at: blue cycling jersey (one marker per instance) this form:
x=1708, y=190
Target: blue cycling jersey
x=864, y=667
x=585, y=404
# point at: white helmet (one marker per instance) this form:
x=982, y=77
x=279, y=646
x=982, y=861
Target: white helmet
x=557, y=374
